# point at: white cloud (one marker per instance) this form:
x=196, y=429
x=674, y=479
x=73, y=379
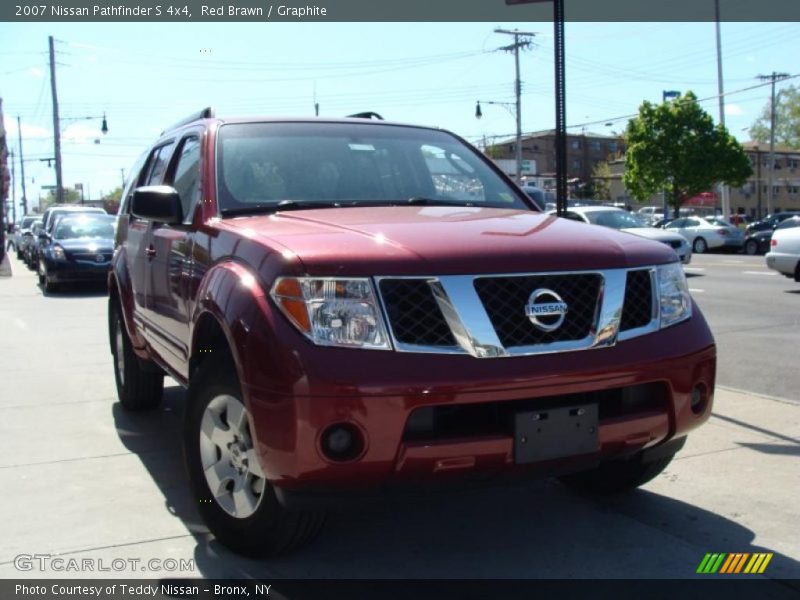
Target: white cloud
x=36, y=72
x=750, y=58
x=80, y=133
x=733, y=110
x=28, y=131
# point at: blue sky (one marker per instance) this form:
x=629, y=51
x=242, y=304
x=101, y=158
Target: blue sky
x=147, y=76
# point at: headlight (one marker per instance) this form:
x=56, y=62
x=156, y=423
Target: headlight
x=58, y=253
x=332, y=311
x=675, y=303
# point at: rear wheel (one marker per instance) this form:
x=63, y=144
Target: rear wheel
x=236, y=500
x=616, y=476
x=699, y=245
x=137, y=387
x=751, y=247
x=797, y=272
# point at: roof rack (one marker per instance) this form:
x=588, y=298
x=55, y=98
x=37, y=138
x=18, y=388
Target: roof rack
x=366, y=115
x=206, y=113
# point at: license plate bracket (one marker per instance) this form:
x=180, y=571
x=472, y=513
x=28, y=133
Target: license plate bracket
x=550, y=433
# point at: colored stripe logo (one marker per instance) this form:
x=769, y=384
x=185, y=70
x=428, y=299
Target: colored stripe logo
x=733, y=563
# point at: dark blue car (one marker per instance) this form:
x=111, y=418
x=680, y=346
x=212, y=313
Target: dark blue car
x=78, y=249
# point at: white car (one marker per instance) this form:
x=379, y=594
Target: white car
x=616, y=218
x=784, y=254
x=707, y=233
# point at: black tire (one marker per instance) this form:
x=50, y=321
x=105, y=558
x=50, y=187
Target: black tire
x=138, y=387
x=271, y=529
x=615, y=477
x=751, y=247
x=699, y=245
x=797, y=272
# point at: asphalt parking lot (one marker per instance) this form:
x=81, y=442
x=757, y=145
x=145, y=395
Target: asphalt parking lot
x=82, y=479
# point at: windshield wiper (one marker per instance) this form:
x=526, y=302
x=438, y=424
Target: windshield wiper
x=422, y=201
x=270, y=207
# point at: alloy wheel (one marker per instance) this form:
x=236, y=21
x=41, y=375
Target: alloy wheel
x=231, y=467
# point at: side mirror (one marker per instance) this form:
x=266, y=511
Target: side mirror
x=157, y=203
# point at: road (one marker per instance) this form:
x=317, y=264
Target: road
x=84, y=480
x=754, y=313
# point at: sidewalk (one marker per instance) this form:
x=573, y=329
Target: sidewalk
x=5, y=266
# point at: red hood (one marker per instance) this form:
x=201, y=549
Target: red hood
x=443, y=240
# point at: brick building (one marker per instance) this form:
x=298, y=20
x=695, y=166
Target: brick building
x=584, y=151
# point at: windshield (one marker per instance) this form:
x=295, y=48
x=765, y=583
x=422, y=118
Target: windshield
x=27, y=222
x=618, y=219
x=84, y=227
x=332, y=164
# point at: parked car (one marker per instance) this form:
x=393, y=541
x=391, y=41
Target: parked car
x=78, y=250
x=770, y=222
x=650, y=214
x=31, y=245
x=49, y=216
x=708, y=233
x=23, y=234
x=20, y=229
x=740, y=220
x=784, y=253
x=539, y=196
x=348, y=322
x=618, y=218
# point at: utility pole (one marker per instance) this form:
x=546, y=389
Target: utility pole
x=771, y=166
x=13, y=190
x=56, y=123
x=518, y=43
x=723, y=189
x=22, y=169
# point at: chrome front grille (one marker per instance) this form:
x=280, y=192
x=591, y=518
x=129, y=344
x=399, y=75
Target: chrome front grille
x=504, y=299
x=485, y=315
x=638, y=308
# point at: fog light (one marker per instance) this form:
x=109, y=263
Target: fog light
x=342, y=442
x=699, y=398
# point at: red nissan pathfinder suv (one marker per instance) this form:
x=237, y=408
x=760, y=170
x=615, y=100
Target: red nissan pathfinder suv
x=359, y=307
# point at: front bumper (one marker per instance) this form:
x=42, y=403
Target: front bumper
x=72, y=271
x=376, y=393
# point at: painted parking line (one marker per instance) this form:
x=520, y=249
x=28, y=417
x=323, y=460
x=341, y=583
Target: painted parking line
x=694, y=268
x=759, y=273
x=696, y=291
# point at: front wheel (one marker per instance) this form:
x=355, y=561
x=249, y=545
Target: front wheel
x=614, y=477
x=236, y=500
x=751, y=247
x=137, y=387
x=700, y=245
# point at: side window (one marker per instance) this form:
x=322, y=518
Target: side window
x=158, y=164
x=186, y=175
x=676, y=224
x=692, y=223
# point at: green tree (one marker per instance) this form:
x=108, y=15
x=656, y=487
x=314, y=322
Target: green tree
x=71, y=196
x=787, y=119
x=675, y=146
x=114, y=195
x=601, y=175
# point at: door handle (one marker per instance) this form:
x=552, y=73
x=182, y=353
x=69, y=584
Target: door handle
x=150, y=252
